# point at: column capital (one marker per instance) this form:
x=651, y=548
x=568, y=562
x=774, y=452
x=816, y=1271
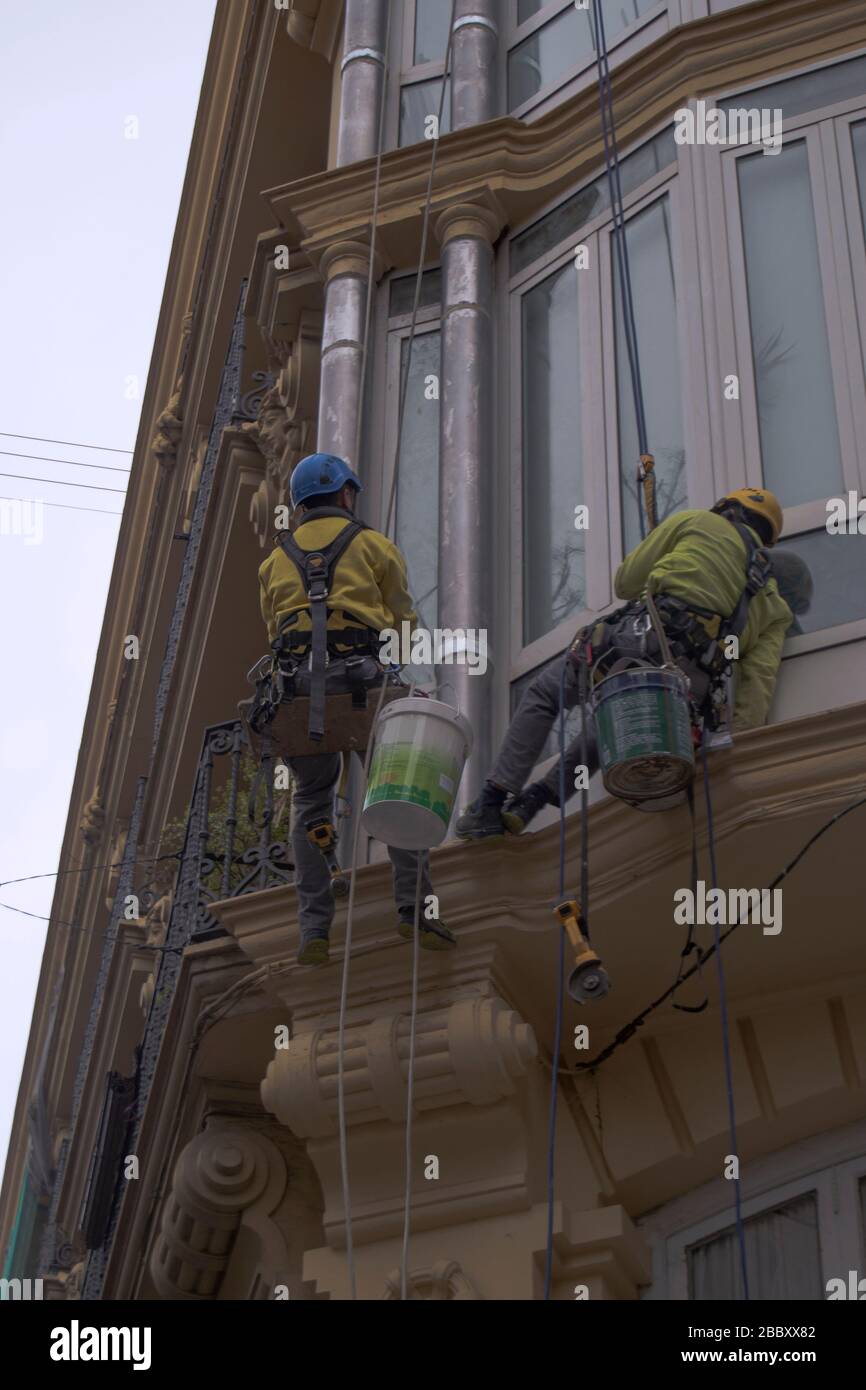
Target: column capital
x=482, y=217
x=348, y=258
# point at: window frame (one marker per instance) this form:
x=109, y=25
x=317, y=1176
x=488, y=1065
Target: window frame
x=595, y=326
x=830, y=1165
x=411, y=74
x=842, y=267
x=515, y=34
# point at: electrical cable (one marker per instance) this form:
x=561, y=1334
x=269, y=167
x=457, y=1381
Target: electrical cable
x=41, y=458
x=629, y=1029
x=62, y=506
x=57, y=482
x=67, y=443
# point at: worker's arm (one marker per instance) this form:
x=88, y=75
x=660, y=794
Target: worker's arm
x=633, y=574
x=394, y=586
x=267, y=607
x=757, y=671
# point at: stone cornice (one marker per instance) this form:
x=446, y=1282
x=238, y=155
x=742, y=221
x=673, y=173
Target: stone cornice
x=526, y=165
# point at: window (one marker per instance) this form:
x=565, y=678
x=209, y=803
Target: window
x=783, y=1257
x=554, y=552
x=651, y=270
x=573, y=394
x=416, y=491
x=555, y=41
x=424, y=42
x=797, y=319
x=790, y=346
x=804, y=1218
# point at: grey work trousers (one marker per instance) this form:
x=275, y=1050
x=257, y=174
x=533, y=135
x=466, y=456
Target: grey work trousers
x=535, y=717
x=315, y=780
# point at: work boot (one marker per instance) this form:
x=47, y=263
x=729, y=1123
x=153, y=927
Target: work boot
x=435, y=936
x=525, y=807
x=482, y=818
x=314, y=951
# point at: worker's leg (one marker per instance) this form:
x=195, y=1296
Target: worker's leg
x=521, y=748
x=313, y=796
x=405, y=864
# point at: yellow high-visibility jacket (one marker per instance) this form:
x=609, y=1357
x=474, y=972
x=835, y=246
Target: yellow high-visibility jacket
x=369, y=587
x=697, y=556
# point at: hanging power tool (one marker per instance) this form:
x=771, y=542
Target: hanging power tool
x=322, y=834
x=588, y=980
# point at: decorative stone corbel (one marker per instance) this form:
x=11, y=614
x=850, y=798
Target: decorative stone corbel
x=443, y=1280
x=473, y=1052
x=227, y=1178
x=93, y=819
x=169, y=428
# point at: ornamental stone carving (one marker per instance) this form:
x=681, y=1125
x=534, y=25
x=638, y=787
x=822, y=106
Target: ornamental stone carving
x=93, y=819
x=443, y=1280
x=222, y=1175
x=473, y=1051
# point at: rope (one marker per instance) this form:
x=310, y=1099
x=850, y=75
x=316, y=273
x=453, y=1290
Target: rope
x=344, y=987
x=410, y=1087
x=726, y=1042
x=645, y=476
x=560, y=985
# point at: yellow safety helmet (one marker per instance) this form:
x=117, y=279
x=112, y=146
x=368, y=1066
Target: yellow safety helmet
x=760, y=500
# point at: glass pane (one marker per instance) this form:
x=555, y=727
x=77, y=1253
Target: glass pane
x=651, y=265
x=431, y=30
x=838, y=568
x=808, y=92
x=527, y=8
x=418, y=481
x=858, y=141
x=418, y=103
x=565, y=42
x=402, y=295
x=783, y=1257
x=553, y=551
x=567, y=219
x=790, y=350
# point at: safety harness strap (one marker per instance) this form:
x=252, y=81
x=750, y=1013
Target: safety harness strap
x=757, y=574
x=316, y=568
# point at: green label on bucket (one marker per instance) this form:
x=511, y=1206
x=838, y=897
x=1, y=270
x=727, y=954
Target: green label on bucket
x=421, y=776
x=642, y=723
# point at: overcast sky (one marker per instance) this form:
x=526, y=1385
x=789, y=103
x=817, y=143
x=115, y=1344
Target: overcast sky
x=85, y=235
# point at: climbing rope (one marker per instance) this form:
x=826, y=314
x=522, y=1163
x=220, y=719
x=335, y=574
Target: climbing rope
x=410, y=1088
x=560, y=986
x=645, y=475
x=726, y=1039
x=344, y=986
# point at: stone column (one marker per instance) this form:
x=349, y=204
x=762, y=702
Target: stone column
x=362, y=73
x=473, y=63
x=466, y=233
x=345, y=267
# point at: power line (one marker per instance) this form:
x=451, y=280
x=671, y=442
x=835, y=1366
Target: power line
x=71, y=443
x=91, y=487
x=73, y=463
x=62, y=506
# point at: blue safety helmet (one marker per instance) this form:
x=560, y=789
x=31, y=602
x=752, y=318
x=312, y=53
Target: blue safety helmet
x=320, y=473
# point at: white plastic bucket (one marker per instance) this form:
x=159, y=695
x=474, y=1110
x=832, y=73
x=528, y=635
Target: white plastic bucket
x=419, y=753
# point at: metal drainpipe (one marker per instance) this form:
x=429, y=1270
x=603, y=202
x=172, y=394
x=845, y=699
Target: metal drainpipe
x=466, y=234
x=363, y=66
x=473, y=63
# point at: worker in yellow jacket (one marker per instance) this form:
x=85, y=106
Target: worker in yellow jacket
x=363, y=586
x=697, y=566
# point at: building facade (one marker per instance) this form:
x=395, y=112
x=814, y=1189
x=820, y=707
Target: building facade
x=177, y=1133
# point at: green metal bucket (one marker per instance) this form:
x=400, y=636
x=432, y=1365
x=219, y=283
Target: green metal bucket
x=644, y=734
